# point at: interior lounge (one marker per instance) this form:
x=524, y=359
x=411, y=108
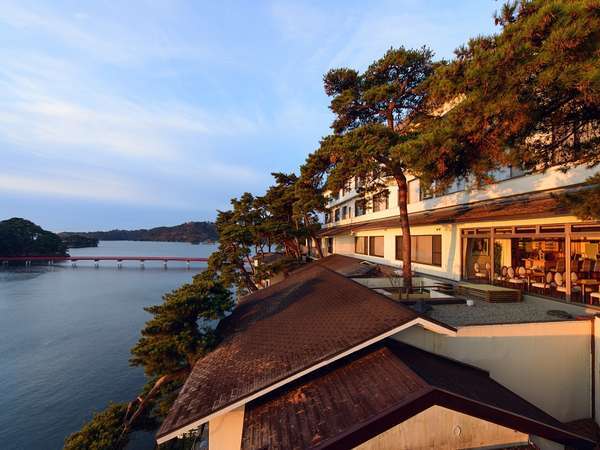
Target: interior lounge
x=560, y=261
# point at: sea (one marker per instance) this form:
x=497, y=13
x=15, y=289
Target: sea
x=65, y=336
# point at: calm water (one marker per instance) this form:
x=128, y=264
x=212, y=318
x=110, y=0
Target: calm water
x=65, y=336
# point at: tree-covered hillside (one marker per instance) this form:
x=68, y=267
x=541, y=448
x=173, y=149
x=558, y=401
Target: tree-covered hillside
x=186, y=232
x=20, y=237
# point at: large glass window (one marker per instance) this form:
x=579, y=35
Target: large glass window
x=380, y=201
x=423, y=249
x=376, y=245
x=360, y=244
x=336, y=214
x=344, y=212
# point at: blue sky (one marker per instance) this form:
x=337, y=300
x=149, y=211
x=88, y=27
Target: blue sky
x=137, y=114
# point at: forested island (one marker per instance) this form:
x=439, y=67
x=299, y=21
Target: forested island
x=21, y=237
x=79, y=241
x=194, y=232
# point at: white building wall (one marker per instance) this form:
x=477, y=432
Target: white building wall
x=548, y=364
x=551, y=179
x=451, y=243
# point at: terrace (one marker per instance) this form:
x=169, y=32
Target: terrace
x=444, y=301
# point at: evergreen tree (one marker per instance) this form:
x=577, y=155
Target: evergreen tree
x=374, y=112
x=528, y=96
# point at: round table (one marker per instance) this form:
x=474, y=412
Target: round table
x=587, y=283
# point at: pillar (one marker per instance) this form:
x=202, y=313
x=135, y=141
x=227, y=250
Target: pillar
x=568, y=262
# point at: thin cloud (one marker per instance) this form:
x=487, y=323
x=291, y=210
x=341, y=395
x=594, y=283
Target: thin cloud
x=95, y=186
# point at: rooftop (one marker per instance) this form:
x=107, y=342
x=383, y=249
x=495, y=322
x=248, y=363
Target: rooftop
x=310, y=318
x=484, y=313
x=353, y=400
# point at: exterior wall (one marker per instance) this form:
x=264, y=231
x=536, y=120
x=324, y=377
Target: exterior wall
x=548, y=364
x=451, y=243
x=225, y=431
x=552, y=179
x=442, y=428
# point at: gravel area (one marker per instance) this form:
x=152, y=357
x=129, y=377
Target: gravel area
x=493, y=313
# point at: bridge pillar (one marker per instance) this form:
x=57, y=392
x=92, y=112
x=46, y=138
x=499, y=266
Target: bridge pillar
x=119, y=264
x=141, y=263
x=188, y=264
x=96, y=264
x=73, y=264
x=165, y=263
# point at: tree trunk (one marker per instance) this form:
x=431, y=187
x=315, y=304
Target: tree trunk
x=406, y=240
x=143, y=402
x=312, y=236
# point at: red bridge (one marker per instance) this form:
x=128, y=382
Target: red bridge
x=96, y=259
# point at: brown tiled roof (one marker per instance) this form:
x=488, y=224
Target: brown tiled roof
x=522, y=206
x=310, y=317
x=361, y=396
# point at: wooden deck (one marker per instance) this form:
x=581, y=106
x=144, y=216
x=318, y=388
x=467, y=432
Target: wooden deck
x=489, y=293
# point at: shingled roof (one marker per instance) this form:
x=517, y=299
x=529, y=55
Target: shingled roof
x=282, y=332
x=530, y=205
x=363, y=395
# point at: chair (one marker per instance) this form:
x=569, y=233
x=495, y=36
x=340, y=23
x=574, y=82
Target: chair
x=546, y=284
x=596, y=271
x=593, y=296
x=560, y=287
x=502, y=276
x=513, y=279
x=480, y=274
x=586, y=267
x=560, y=266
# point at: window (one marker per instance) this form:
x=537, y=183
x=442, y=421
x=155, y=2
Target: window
x=327, y=217
x=376, y=245
x=359, y=207
x=344, y=212
x=360, y=244
x=414, y=193
x=330, y=245
x=347, y=187
x=424, y=249
x=380, y=201
x=358, y=183
x=336, y=215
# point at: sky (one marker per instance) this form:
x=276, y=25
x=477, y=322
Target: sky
x=145, y=113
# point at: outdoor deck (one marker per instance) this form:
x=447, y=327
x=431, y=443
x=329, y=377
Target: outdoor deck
x=489, y=293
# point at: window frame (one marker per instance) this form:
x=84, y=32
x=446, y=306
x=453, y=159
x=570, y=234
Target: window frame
x=365, y=240
x=436, y=243
x=372, y=246
x=375, y=200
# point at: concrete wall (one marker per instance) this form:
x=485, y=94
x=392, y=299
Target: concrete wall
x=442, y=428
x=549, y=364
x=225, y=431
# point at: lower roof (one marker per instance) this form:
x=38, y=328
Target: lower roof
x=311, y=318
x=363, y=395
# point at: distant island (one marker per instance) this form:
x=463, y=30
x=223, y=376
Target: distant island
x=193, y=232
x=79, y=241
x=21, y=237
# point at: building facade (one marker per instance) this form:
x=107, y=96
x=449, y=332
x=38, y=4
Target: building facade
x=478, y=234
